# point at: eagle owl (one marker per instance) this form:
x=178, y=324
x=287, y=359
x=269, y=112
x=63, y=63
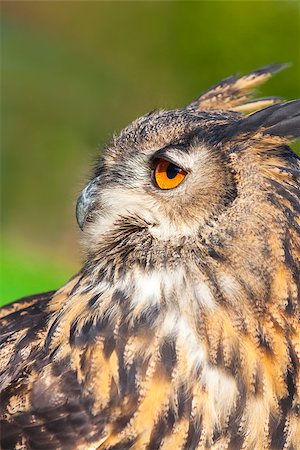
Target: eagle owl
x=181, y=330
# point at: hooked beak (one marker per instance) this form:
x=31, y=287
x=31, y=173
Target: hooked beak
x=86, y=202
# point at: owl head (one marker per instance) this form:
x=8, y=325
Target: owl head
x=177, y=176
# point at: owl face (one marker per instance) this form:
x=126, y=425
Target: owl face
x=167, y=170
x=191, y=173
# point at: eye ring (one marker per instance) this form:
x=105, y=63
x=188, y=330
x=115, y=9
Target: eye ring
x=167, y=175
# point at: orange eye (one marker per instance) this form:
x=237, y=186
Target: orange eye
x=167, y=175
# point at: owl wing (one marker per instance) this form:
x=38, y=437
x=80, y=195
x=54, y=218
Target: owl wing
x=19, y=322
x=24, y=302
x=42, y=402
x=46, y=409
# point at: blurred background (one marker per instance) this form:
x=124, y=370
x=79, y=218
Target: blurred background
x=75, y=72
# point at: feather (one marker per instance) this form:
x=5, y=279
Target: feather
x=233, y=93
x=271, y=116
x=289, y=127
x=280, y=120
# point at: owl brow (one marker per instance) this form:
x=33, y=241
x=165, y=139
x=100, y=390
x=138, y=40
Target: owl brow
x=169, y=153
x=179, y=144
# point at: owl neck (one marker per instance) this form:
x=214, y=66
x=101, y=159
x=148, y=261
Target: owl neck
x=206, y=306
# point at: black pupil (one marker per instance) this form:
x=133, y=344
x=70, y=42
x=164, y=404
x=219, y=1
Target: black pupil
x=172, y=171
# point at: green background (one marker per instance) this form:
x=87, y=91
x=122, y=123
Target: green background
x=75, y=72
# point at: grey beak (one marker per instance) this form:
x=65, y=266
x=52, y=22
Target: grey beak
x=86, y=202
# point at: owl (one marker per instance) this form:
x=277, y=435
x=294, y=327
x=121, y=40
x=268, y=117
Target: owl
x=181, y=330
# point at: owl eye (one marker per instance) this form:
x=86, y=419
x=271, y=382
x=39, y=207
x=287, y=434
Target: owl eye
x=167, y=175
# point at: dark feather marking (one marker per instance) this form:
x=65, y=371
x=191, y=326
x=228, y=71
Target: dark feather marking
x=291, y=170
x=123, y=383
x=94, y=300
x=280, y=112
x=217, y=434
x=131, y=388
x=40, y=439
x=292, y=264
x=27, y=317
x=5, y=394
x=127, y=445
x=10, y=434
x=286, y=403
x=237, y=436
x=78, y=420
x=159, y=431
x=35, y=299
x=50, y=334
x=29, y=337
x=285, y=153
x=147, y=318
x=264, y=342
x=119, y=297
x=109, y=346
x=258, y=382
x=289, y=127
x=19, y=365
x=269, y=69
x=296, y=409
x=277, y=427
x=193, y=437
x=269, y=116
x=101, y=274
x=82, y=335
x=277, y=434
x=60, y=426
x=290, y=306
x=76, y=286
x=121, y=422
x=234, y=364
x=289, y=213
x=184, y=403
x=213, y=253
x=219, y=360
x=285, y=192
x=170, y=418
x=168, y=356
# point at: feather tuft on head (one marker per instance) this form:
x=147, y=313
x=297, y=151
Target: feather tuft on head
x=236, y=93
x=279, y=123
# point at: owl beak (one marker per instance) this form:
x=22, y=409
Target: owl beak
x=86, y=202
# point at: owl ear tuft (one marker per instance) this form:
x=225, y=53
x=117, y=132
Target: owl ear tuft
x=235, y=93
x=281, y=120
